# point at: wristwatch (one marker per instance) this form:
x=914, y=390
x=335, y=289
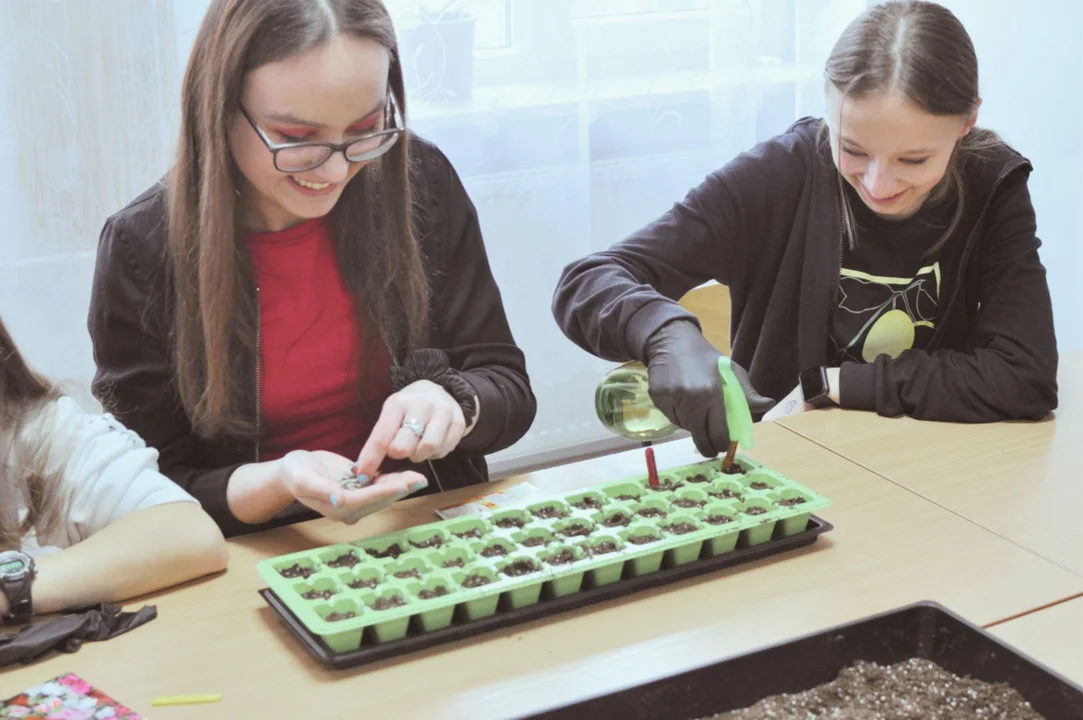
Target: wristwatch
x=815, y=388
x=17, y=571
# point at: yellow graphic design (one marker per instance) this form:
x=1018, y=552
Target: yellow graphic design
x=889, y=308
x=892, y=333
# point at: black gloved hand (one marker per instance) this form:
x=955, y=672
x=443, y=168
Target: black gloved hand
x=684, y=384
x=67, y=632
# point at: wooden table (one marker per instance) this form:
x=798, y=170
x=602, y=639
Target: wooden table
x=1053, y=636
x=1023, y=481
x=890, y=547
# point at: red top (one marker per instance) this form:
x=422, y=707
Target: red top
x=311, y=377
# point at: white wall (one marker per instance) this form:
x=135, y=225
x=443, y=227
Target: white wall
x=1031, y=63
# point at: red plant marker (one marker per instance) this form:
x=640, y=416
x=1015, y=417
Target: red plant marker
x=652, y=469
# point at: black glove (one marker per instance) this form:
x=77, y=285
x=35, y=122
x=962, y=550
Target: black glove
x=67, y=632
x=684, y=384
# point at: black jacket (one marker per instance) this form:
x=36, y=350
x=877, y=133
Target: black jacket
x=130, y=322
x=768, y=225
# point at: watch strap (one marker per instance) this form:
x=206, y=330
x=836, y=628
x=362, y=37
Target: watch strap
x=20, y=598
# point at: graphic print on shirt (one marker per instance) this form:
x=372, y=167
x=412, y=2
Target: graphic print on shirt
x=879, y=315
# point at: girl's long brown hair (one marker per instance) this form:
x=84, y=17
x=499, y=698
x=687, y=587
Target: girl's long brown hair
x=215, y=323
x=921, y=50
x=24, y=395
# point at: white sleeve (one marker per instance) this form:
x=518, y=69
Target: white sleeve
x=109, y=471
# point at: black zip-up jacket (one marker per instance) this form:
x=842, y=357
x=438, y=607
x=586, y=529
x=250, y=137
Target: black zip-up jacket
x=130, y=322
x=768, y=225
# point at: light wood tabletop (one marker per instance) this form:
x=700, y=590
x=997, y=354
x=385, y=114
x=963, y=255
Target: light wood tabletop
x=1023, y=481
x=1053, y=637
x=890, y=547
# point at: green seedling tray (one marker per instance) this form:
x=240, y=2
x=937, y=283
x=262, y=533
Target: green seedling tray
x=374, y=591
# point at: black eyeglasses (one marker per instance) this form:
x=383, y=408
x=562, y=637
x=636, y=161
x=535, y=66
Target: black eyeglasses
x=304, y=156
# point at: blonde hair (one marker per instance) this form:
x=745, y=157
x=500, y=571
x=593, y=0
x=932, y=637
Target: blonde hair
x=30, y=472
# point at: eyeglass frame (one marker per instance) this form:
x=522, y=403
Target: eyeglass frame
x=392, y=105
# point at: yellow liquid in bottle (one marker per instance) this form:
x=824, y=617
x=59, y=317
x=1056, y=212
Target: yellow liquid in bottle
x=623, y=404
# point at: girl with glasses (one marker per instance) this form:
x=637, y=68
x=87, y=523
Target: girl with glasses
x=301, y=316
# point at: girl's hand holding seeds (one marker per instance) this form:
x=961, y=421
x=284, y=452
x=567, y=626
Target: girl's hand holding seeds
x=326, y=483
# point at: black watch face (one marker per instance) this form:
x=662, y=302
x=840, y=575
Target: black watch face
x=813, y=383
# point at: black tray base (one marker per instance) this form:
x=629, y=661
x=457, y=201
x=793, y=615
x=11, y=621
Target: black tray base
x=923, y=630
x=546, y=606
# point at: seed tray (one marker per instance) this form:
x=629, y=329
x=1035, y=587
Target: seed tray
x=457, y=572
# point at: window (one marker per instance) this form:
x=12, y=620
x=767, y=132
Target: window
x=616, y=8
x=493, y=30
x=591, y=121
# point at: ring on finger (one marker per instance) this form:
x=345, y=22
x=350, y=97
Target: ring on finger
x=415, y=426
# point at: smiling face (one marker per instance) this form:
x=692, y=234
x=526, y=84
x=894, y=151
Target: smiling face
x=333, y=92
x=892, y=152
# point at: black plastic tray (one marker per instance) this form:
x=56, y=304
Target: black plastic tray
x=545, y=607
x=923, y=630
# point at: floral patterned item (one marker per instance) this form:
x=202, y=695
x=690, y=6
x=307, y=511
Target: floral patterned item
x=68, y=697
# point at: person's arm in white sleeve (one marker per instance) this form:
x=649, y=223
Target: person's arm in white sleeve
x=129, y=530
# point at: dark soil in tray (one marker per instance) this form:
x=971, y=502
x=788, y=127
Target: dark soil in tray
x=386, y=603
x=434, y=542
x=534, y=541
x=687, y=503
x=473, y=581
x=717, y=519
x=667, y=485
x=494, y=551
x=403, y=574
x=602, y=548
x=576, y=530
x=682, y=528
x=759, y=485
x=438, y=591
x=297, y=571
x=756, y=510
x=360, y=584
x=627, y=498
x=618, y=519
x=475, y=533
x=727, y=494
x=457, y=562
x=697, y=478
x=735, y=469
x=588, y=503
x=906, y=691
x=642, y=539
x=338, y=616
x=549, y=513
x=651, y=512
x=510, y=522
x=345, y=560
x=317, y=594
x=393, y=551
x=520, y=567
x=564, y=557
x=790, y=502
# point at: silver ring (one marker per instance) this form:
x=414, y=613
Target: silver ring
x=415, y=426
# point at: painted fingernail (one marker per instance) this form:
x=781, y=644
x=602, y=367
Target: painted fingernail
x=418, y=485
x=334, y=500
